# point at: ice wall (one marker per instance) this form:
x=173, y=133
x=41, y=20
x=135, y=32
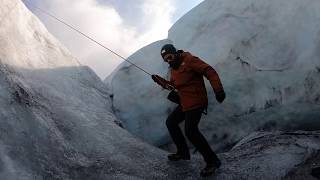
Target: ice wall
x=266, y=53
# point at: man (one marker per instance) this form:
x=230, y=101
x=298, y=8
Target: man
x=187, y=73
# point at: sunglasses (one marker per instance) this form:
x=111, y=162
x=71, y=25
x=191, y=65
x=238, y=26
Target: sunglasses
x=168, y=57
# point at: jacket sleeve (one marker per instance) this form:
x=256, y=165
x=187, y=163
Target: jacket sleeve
x=199, y=66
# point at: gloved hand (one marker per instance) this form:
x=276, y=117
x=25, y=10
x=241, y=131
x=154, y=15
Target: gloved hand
x=220, y=96
x=157, y=79
x=162, y=82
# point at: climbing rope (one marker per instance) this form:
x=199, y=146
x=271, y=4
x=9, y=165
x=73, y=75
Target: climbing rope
x=83, y=34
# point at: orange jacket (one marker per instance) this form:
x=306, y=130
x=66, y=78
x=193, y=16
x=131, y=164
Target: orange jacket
x=188, y=80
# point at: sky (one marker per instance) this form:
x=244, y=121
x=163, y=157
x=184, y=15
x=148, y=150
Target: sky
x=124, y=26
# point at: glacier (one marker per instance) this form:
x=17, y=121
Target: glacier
x=267, y=56
x=57, y=120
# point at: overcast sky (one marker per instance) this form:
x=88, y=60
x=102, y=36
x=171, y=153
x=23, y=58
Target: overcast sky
x=122, y=25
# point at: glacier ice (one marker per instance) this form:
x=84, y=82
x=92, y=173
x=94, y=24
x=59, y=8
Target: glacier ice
x=57, y=120
x=267, y=56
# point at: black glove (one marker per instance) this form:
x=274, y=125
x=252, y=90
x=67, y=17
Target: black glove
x=158, y=80
x=162, y=82
x=220, y=96
x=154, y=78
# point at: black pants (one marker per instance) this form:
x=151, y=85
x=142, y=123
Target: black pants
x=316, y=172
x=192, y=119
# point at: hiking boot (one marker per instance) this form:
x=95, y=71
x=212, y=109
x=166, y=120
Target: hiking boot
x=210, y=169
x=177, y=157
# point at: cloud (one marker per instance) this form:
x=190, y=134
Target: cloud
x=104, y=23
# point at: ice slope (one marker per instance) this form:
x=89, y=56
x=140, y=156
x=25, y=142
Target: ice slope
x=266, y=53
x=272, y=155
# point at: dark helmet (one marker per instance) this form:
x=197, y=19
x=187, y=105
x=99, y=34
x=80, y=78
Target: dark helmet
x=168, y=49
